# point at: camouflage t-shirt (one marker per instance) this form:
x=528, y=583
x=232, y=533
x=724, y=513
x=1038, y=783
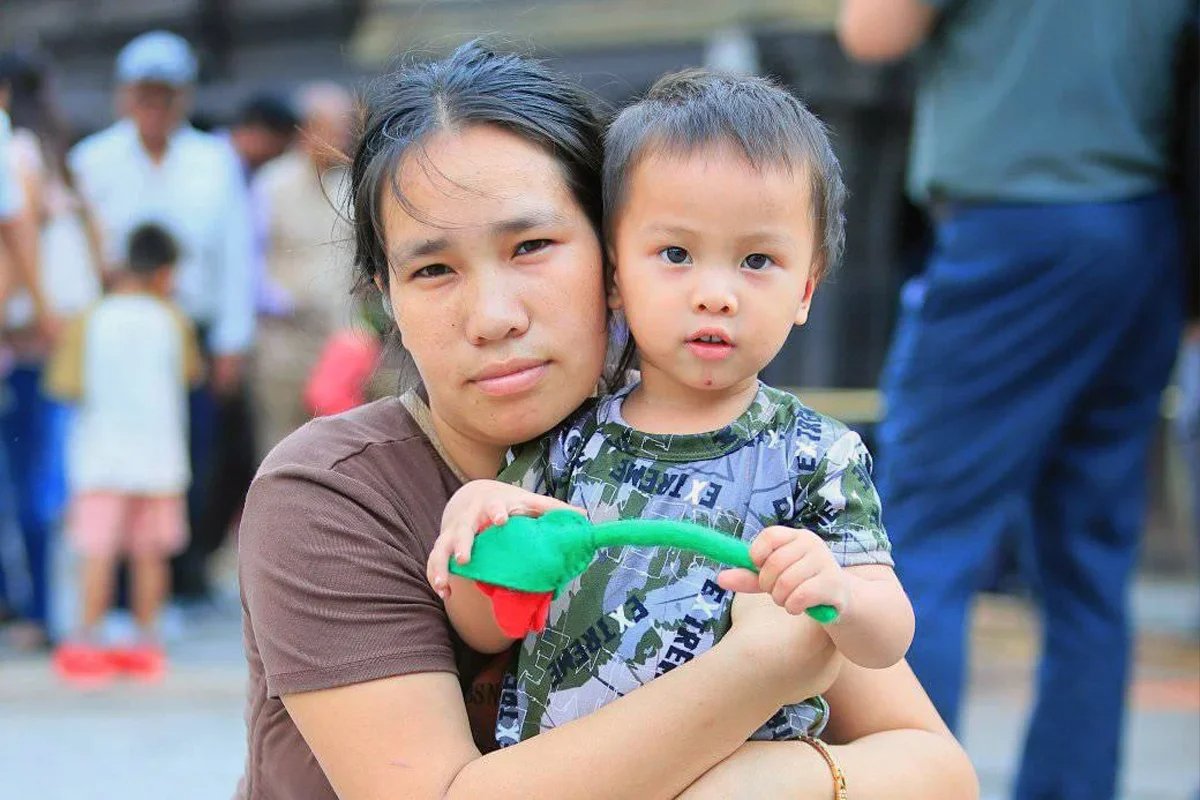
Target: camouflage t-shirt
x=637, y=612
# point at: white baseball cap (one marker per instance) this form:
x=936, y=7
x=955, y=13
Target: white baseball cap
x=158, y=57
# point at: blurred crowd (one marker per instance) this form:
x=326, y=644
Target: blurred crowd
x=176, y=302
x=110, y=424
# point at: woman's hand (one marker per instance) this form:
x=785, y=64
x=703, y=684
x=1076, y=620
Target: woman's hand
x=797, y=658
x=476, y=506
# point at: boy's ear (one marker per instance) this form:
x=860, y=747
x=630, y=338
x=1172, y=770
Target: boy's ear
x=810, y=287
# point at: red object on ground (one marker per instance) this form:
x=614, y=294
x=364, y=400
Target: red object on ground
x=338, y=380
x=83, y=665
x=518, y=613
x=144, y=662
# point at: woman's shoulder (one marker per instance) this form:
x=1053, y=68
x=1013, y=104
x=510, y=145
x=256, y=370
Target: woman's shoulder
x=380, y=430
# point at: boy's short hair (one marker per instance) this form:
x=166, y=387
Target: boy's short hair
x=151, y=248
x=696, y=108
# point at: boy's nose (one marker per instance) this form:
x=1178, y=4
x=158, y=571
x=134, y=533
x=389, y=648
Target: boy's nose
x=715, y=300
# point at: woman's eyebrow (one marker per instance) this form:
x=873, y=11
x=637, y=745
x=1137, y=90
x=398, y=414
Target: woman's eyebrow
x=428, y=247
x=404, y=253
x=524, y=222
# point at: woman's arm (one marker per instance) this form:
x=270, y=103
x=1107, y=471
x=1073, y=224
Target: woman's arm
x=407, y=737
x=887, y=737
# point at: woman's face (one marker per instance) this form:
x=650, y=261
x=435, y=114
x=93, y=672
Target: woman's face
x=496, y=284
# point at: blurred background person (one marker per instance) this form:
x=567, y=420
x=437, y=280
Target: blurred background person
x=128, y=363
x=18, y=263
x=67, y=280
x=263, y=128
x=1026, y=371
x=152, y=165
x=302, y=200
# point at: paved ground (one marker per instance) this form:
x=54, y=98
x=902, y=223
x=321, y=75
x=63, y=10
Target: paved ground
x=183, y=739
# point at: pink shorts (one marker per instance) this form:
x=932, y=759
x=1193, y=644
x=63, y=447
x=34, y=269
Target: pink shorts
x=110, y=524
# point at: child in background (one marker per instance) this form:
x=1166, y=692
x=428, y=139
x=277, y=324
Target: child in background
x=127, y=363
x=723, y=210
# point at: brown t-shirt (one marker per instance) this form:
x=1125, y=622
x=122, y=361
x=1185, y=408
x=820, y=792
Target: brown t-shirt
x=338, y=525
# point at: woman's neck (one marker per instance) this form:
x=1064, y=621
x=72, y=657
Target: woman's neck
x=473, y=459
x=661, y=404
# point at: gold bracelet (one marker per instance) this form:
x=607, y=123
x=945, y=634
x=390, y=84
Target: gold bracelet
x=839, y=777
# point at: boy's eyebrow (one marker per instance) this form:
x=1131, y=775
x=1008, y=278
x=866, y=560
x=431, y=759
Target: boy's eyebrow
x=523, y=222
x=670, y=230
x=774, y=238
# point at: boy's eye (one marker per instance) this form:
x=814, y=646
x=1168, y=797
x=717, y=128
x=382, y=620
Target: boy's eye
x=432, y=271
x=756, y=261
x=531, y=246
x=675, y=255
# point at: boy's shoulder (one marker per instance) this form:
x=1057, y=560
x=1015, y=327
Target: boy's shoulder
x=786, y=414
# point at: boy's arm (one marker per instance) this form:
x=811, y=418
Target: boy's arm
x=476, y=506
x=63, y=378
x=834, y=551
x=874, y=626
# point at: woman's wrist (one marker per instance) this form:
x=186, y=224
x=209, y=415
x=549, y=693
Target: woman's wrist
x=836, y=775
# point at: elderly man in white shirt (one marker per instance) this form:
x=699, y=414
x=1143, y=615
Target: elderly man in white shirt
x=152, y=166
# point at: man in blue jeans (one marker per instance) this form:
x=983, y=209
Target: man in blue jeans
x=1025, y=375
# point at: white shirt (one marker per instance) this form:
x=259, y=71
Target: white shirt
x=10, y=187
x=197, y=193
x=65, y=268
x=127, y=363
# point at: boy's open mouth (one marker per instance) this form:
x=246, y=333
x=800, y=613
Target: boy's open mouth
x=710, y=344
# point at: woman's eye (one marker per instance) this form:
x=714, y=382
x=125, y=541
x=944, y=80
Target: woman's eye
x=531, y=246
x=756, y=261
x=432, y=271
x=675, y=255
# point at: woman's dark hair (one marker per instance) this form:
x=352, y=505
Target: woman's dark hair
x=472, y=86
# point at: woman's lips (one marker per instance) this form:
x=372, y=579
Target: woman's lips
x=510, y=378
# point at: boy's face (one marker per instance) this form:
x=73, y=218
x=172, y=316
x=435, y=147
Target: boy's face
x=714, y=265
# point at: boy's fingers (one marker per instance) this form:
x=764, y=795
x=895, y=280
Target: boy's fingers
x=463, y=539
x=768, y=541
x=738, y=580
x=538, y=504
x=780, y=559
x=792, y=577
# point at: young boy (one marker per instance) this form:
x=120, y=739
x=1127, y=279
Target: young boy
x=723, y=206
x=128, y=363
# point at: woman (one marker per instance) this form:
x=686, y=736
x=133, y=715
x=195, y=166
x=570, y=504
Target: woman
x=67, y=281
x=476, y=200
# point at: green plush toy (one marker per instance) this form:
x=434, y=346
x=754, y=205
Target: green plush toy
x=523, y=564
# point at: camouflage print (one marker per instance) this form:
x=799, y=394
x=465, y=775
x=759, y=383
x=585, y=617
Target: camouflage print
x=637, y=613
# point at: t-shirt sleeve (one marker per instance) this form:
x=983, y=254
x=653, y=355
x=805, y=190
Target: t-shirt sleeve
x=333, y=583
x=835, y=496
x=63, y=378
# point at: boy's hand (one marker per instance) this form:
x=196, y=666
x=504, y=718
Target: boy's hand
x=476, y=506
x=795, y=567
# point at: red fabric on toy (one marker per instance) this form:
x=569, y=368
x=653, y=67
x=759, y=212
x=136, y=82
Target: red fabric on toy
x=518, y=613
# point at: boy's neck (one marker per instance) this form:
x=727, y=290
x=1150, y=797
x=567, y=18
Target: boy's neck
x=660, y=404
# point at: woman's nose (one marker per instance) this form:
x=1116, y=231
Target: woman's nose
x=496, y=313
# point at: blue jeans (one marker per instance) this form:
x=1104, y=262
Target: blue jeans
x=1022, y=388
x=34, y=428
